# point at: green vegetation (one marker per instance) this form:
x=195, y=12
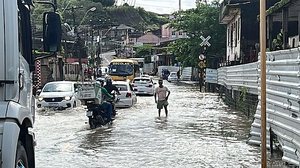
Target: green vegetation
x=136, y=17
x=106, y=14
x=201, y=21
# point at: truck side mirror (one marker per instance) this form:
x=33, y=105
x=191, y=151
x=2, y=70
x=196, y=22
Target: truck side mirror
x=51, y=32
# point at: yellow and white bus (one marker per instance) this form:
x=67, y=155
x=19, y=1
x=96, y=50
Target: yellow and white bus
x=123, y=69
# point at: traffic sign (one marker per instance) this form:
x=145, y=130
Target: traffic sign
x=201, y=57
x=201, y=64
x=205, y=41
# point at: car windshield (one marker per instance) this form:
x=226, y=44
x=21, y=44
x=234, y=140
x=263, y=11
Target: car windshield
x=141, y=80
x=121, y=87
x=121, y=69
x=58, y=87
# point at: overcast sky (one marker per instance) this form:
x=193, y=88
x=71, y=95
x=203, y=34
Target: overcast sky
x=161, y=6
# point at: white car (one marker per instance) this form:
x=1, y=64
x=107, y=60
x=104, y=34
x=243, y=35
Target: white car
x=143, y=85
x=59, y=94
x=173, y=77
x=128, y=97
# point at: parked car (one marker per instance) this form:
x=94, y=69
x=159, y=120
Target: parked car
x=173, y=77
x=143, y=85
x=128, y=97
x=59, y=94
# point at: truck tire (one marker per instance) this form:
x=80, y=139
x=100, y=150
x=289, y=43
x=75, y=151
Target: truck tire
x=21, y=156
x=92, y=123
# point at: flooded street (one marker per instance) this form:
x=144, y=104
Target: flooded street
x=200, y=131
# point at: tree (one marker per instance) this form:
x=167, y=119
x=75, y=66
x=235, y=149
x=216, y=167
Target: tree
x=201, y=21
x=106, y=2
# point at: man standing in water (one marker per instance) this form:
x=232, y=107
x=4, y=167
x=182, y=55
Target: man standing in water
x=162, y=93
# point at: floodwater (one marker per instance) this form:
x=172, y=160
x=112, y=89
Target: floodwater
x=200, y=131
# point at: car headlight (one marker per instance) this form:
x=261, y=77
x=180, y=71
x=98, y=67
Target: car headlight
x=40, y=99
x=67, y=98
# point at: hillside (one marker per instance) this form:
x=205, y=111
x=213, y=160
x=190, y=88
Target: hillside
x=135, y=17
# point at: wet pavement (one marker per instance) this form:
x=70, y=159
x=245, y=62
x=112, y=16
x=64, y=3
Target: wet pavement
x=200, y=131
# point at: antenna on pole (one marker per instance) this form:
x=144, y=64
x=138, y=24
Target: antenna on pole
x=179, y=5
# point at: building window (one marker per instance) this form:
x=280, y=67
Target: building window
x=236, y=34
x=239, y=27
x=228, y=36
x=173, y=33
x=180, y=33
x=231, y=36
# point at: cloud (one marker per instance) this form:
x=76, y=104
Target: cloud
x=162, y=6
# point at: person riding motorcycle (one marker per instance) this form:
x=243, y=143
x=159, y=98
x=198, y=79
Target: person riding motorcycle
x=110, y=88
x=106, y=106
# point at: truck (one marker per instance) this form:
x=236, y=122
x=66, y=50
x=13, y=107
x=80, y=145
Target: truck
x=17, y=100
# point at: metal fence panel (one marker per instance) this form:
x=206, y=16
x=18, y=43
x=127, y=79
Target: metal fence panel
x=283, y=110
x=211, y=75
x=283, y=97
x=240, y=76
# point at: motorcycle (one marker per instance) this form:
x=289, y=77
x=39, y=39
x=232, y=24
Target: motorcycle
x=96, y=114
x=91, y=97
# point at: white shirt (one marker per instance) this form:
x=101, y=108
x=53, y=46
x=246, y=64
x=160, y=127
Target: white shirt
x=161, y=92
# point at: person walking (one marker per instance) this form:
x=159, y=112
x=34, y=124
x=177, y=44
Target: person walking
x=162, y=93
x=178, y=75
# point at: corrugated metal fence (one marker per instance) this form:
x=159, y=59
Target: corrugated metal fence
x=283, y=97
x=240, y=76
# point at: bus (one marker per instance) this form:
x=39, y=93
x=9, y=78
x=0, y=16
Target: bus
x=123, y=69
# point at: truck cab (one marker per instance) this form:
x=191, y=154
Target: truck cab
x=17, y=101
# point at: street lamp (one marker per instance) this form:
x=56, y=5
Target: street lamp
x=92, y=9
x=99, y=40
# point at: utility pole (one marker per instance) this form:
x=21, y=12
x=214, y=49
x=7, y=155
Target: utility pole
x=262, y=42
x=179, y=5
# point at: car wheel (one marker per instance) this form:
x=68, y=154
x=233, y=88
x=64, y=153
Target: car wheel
x=21, y=156
x=92, y=123
x=74, y=104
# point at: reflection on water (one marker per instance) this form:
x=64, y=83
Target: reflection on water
x=199, y=132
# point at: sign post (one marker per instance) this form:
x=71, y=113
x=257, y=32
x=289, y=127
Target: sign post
x=202, y=61
x=202, y=66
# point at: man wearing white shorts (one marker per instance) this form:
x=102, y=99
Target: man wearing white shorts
x=162, y=93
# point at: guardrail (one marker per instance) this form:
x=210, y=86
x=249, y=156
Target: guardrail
x=283, y=97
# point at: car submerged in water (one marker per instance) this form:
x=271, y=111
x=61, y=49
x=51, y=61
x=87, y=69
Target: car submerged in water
x=128, y=97
x=59, y=94
x=143, y=85
x=172, y=77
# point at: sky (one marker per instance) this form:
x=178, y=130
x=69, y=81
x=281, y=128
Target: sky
x=161, y=6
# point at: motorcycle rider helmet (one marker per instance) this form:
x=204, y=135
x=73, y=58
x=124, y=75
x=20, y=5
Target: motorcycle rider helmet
x=108, y=81
x=100, y=81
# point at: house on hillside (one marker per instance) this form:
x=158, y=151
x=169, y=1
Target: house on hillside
x=148, y=39
x=283, y=27
x=168, y=33
x=241, y=19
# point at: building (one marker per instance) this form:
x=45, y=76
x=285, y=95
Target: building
x=169, y=33
x=283, y=19
x=241, y=19
x=242, y=30
x=148, y=39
